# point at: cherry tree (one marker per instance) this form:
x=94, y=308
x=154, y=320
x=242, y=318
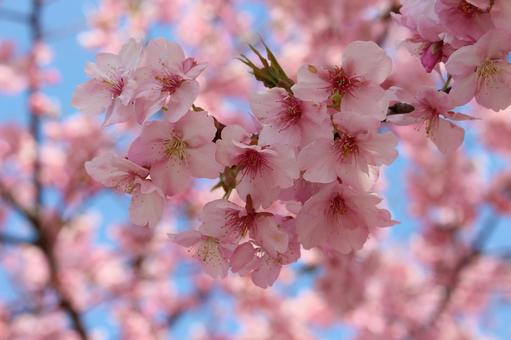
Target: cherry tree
x=320, y=165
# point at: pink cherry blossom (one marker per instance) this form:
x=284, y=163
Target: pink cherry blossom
x=167, y=79
x=427, y=40
x=339, y=219
x=177, y=152
x=264, y=258
x=262, y=170
x=352, y=155
x=289, y=120
x=482, y=70
x=57, y=269
x=113, y=171
x=357, y=81
x=112, y=87
x=500, y=14
x=433, y=115
x=465, y=19
x=228, y=222
x=213, y=255
x=270, y=265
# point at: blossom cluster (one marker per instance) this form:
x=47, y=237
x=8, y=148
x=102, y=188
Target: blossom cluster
x=306, y=178
x=471, y=41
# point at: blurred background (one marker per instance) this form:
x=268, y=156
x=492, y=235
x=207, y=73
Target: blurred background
x=72, y=266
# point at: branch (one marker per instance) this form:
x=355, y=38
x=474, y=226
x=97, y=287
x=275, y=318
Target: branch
x=466, y=261
x=34, y=215
x=35, y=124
x=45, y=244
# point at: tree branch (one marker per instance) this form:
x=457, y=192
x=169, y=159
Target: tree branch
x=489, y=226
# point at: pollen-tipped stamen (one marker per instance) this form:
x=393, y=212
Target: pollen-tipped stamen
x=176, y=147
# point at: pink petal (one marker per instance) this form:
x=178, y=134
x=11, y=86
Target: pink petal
x=111, y=170
x=463, y=62
x=464, y=89
x=92, y=97
x=446, y=136
x=146, y=209
x=162, y=53
x=171, y=176
x=267, y=273
x=367, y=100
x=265, y=105
x=367, y=60
x=202, y=161
x=310, y=86
x=197, y=128
x=186, y=238
x=242, y=256
x=181, y=100
x=317, y=161
x=270, y=237
x=495, y=92
x=149, y=147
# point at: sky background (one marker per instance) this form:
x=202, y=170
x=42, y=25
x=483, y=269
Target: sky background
x=62, y=20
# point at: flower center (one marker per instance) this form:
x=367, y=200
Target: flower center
x=291, y=113
x=337, y=207
x=169, y=83
x=176, y=147
x=128, y=188
x=468, y=9
x=487, y=69
x=340, y=82
x=345, y=145
x=239, y=224
x=115, y=87
x=252, y=163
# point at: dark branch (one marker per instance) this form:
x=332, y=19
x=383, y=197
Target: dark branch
x=466, y=261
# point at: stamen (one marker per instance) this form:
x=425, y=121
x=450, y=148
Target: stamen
x=291, y=113
x=252, y=163
x=115, y=87
x=345, y=145
x=239, y=224
x=468, y=9
x=176, y=147
x=169, y=83
x=487, y=69
x=340, y=82
x=337, y=207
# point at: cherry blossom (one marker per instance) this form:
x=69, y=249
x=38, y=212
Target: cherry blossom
x=261, y=170
x=167, y=79
x=339, y=219
x=178, y=151
x=112, y=88
x=125, y=176
x=257, y=198
x=466, y=20
x=482, y=70
x=352, y=154
x=288, y=119
x=356, y=82
x=433, y=115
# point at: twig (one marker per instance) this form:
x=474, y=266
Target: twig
x=477, y=244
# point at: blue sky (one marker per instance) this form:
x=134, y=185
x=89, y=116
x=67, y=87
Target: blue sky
x=63, y=20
